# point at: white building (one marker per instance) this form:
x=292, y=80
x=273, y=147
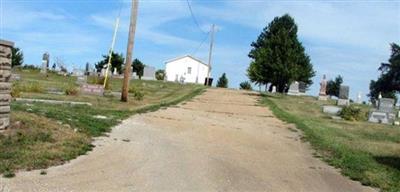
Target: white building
x=187, y=69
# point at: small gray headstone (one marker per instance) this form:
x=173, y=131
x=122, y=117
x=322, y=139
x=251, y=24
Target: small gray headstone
x=80, y=80
x=386, y=105
x=302, y=87
x=294, y=88
x=344, y=92
x=149, y=73
x=379, y=117
x=333, y=110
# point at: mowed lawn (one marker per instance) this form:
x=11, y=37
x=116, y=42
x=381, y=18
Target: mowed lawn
x=43, y=135
x=364, y=151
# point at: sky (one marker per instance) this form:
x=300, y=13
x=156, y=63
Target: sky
x=347, y=38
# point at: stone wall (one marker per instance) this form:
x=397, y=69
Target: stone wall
x=5, y=84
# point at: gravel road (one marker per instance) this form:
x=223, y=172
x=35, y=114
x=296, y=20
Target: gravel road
x=219, y=141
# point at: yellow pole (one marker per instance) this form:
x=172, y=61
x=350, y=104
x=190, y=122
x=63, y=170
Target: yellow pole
x=111, y=50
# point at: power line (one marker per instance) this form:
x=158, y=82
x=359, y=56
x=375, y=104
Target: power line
x=201, y=44
x=193, y=17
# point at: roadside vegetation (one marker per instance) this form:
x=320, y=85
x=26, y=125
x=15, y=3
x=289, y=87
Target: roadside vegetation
x=43, y=135
x=367, y=152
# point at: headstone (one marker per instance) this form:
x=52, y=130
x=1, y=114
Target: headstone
x=332, y=110
x=115, y=71
x=386, y=105
x=343, y=96
x=398, y=114
x=302, y=88
x=82, y=79
x=322, y=90
x=15, y=77
x=149, y=73
x=92, y=89
x=274, y=89
x=380, y=96
x=134, y=76
x=78, y=72
x=379, y=117
x=5, y=84
x=384, y=113
x=359, y=98
x=294, y=88
x=45, y=62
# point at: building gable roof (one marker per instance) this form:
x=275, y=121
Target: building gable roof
x=181, y=57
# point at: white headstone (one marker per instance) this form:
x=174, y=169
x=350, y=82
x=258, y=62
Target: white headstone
x=294, y=88
x=149, y=73
x=359, y=98
x=115, y=71
x=274, y=89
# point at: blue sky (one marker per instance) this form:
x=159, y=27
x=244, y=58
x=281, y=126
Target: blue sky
x=350, y=38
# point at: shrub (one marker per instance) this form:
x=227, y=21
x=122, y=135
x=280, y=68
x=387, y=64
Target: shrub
x=15, y=90
x=100, y=81
x=352, y=113
x=71, y=91
x=223, y=81
x=137, y=94
x=245, y=85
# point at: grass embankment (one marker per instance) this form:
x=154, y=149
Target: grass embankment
x=367, y=152
x=43, y=135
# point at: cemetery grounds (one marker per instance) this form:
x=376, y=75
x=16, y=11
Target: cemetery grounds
x=43, y=135
x=363, y=151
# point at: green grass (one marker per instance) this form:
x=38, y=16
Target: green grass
x=367, y=152
x=43, y=135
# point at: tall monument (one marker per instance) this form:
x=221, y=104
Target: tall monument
x=45, y=63
x=322, y=90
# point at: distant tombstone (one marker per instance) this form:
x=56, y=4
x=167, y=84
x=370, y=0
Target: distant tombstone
x=82, y=79
x=359, y=98
x=294, y=88
x=302, y=88
x=149, y=73
x=398, y=114
x=134, y=76
x=92, y=89
x=332, y=110
x=274, y=89
x=343, y=96
x=384, y=113
x=5, y=84
x=322, y=90
x=15, y=77
x=77, y=72
x=386, y=105
x=115, y=71
x=45, y=62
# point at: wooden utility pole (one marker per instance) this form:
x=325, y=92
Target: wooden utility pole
x=210, y=53
x=128, y=60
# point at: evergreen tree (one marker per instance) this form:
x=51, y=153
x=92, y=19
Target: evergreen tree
x=138, y=67
x=245, y=85
x=333, y=86
x=17, y=58
x=223, y=81
x=278, y=57
x=117, y=60
x=388, y=84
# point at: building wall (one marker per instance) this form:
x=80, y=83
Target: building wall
x=188, y=68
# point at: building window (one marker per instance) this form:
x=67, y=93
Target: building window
x=189, y=71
